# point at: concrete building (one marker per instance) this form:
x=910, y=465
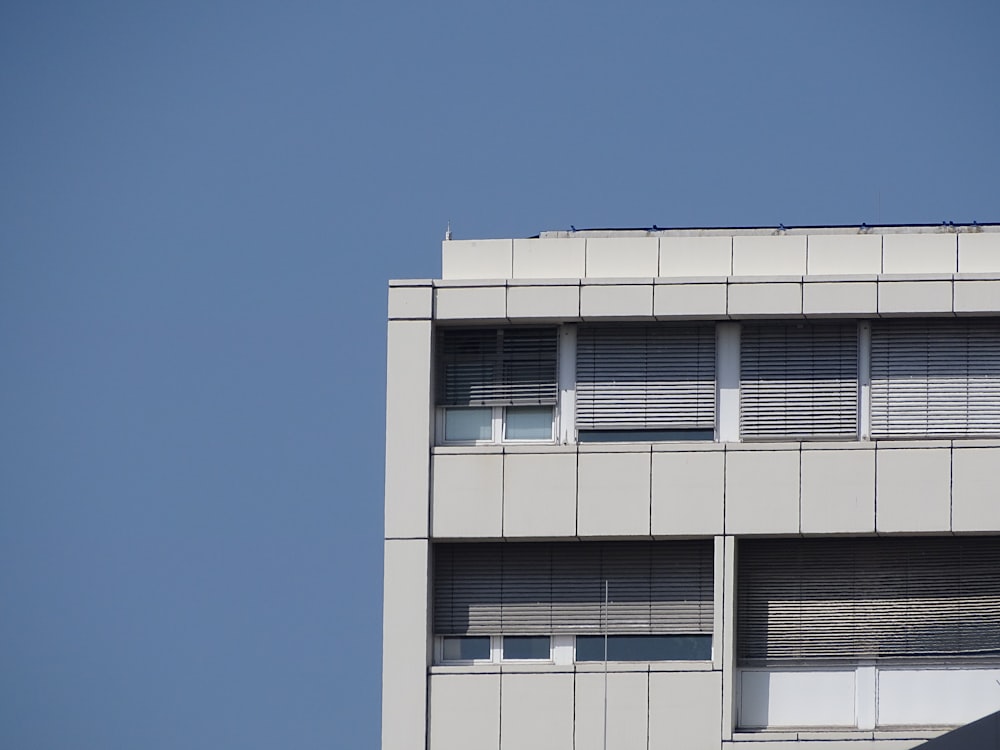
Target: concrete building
x=694, y=488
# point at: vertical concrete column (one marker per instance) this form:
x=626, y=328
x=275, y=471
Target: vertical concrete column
x=408, y=410
x=865, y=380
x=728, y=645
x=405, y=644
x=567, y=384
x=727, y=353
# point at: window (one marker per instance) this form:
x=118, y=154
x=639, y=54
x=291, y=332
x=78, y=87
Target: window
x=827, y=600
x=645, y=382
x=496, y=384
x=799, y=380
x=935, y=377
x=530, y=594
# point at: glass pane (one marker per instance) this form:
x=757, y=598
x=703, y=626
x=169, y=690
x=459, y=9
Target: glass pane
x=466, y=649
x=528, y=423
x=526, y=647
x=468, y=424
x=644, y=647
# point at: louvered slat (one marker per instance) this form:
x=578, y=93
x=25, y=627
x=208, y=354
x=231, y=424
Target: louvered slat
x=645, y=377
x=935, y=377
x=539, y=588
x=847, y=599
x=496, y=366
x=799, y=380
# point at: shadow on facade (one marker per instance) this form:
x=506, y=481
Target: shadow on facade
x=983, y=734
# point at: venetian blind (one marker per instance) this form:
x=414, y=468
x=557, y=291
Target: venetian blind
x=539, y=588
x=799, y=380
x=645, y=377
x=935, y=377
x=496, y=366
x=828, y=599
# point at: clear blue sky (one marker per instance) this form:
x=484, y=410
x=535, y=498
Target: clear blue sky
x=200, y=205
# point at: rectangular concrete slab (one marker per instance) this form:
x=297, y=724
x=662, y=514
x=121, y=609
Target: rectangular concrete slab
x=920, y=253
x=690, y=301
x=613, y=494
x=842, y=298
x=539, y=495
x=404, y=643
x=408, y=412
x=477, y=259
x=913, y=490
x=550, y=259
x=914, y=297
x=977, y=297
x=627, y=703
x=688, y=491
x=465, y=711
x=616, y=301
x=685, y=710
x=696, y=256
x=411, y=302
x=543, y=302
x=618, y=257
x=768, y=300
x=763, y=255
x=838, y=491
x=979, y=252
x=844, y=254
x=471, y=303
x=467, y=498
x=536, y=712
x=974, y=494
x=762, y=492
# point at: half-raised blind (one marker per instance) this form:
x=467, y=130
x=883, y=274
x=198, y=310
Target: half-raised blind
x=496, y=366
x=539, y=588
x=799, y=380
x=935, y=377
x=829, y=599
x=645, y=377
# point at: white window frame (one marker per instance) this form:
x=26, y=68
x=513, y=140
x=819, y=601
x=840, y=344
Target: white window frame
x=498, y=427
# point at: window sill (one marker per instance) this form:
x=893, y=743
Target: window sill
x=835, y=733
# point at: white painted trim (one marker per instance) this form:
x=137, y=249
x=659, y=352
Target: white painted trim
x=567, y=385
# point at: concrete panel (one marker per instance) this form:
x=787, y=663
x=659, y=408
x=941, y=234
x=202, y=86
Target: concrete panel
x=688, y=491
x=408, y=428
x=539, y=495
x=613, y=494
x=838, y=491
x=840, y=298
x=776, y=299
x=796, y=699
x=920, y=253
x=470, y=303
x=914, y=297
x=776, y=255
x=936, y=697
x=690, y=300
x=759, y=743
x=465, y=712
x=628, y=696
x=979, y=252
x=404, y=643
x=616, y=301
x=913, y=490
x=411, y=302
x=685, y=710
x=477, y=259
x=696, y=256
x=536, y=712
x=977, y=296
x=468, y=495
x=543, y=302
x=762, y=492
x=844, y=254
x=629, y=257
x=974, y=505
x=550, y=259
